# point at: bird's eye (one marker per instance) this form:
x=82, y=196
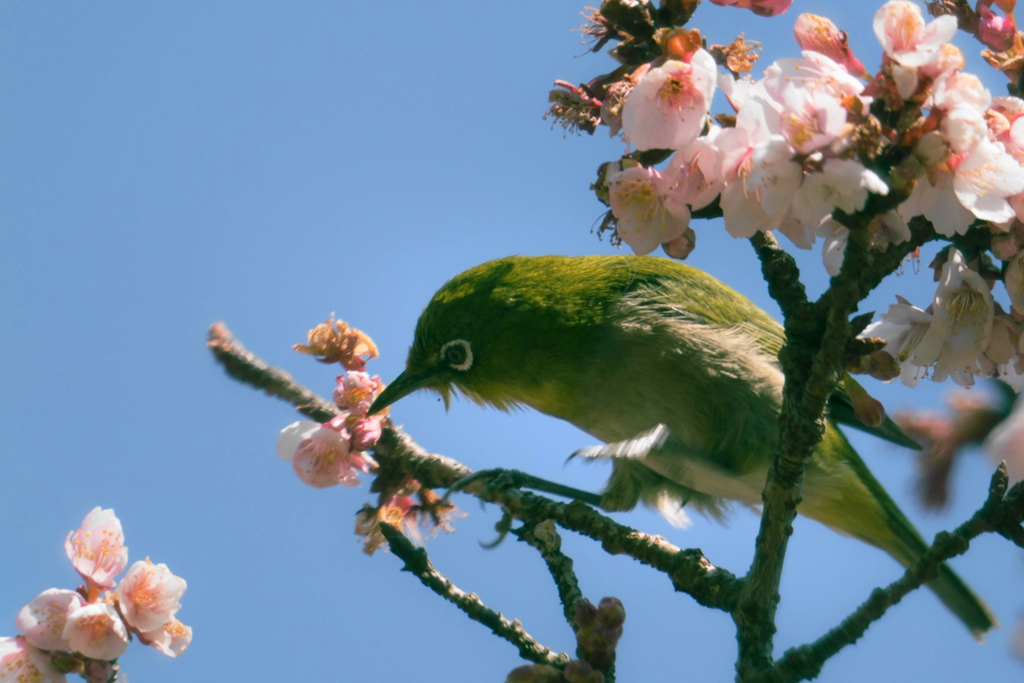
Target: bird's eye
x=457, y=354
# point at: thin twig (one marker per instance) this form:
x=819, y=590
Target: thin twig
x=417, y=563
x=545, y=538
x=998, y=513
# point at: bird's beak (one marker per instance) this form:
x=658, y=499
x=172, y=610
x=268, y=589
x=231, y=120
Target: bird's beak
x=404, y=384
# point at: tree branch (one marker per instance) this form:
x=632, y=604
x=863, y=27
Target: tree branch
x=417, y=562
x=999, y=513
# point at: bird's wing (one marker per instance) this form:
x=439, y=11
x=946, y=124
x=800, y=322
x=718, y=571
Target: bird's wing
x=699, y=298
x=655, y=468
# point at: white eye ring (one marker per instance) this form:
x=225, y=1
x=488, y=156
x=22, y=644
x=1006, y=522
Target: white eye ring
x=458, y=354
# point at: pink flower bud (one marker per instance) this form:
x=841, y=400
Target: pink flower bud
x=822, y=36
x=365, y=433
x=681, y=246
x=995, y=31
x=764, y=8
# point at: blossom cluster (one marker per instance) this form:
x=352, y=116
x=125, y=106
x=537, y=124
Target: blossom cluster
x=335, y=452
x=84, y=631
x=818, y=140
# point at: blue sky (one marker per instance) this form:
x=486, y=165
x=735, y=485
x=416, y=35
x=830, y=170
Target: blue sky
x=167, y=165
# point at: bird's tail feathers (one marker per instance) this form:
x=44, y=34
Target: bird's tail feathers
x=881, y=523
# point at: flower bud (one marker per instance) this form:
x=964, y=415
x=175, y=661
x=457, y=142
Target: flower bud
x=580, y=671
x=611, y=612
x=535, y=673
x=822, y=36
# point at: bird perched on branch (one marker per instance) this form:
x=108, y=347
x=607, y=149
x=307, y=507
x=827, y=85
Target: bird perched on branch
x=674, y=371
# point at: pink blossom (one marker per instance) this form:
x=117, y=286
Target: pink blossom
x=961, y=326
x=995, y=31
x=841, y=183
x=1005, y=121
x=819, y=34
x=42, y=620
x=693, y=174
x=355, y=391
x=984, y=178
x=293, y=435
x=813, y=72
x=366, y=432
x=768, y=183
x=958, y=88
x=963, y=127
x=666, y=108
x=96, y=631
x=833, y=250
x=1002, y=358
x=903, y=327
x=764, y=8
x=96, y=548
x=1006, y=442
x=933, y=198
x=1014, y=281
x=648, y=214
x=325, y=457
x=171, y=639
x=20, y=662
x=148, y=595
x=811, y=119
x=906, y=38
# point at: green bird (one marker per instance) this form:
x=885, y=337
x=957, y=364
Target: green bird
x=672, y=369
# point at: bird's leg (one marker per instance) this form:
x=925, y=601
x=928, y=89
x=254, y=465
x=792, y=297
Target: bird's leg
x=499, y=478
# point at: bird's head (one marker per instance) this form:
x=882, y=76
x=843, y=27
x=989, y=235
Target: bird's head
x=499, y=333
x=457, y=341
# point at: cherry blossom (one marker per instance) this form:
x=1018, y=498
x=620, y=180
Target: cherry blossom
x=903, y=326
x=647, y=212
x=811, y=119
x=841, y=183
x=693, y=174
x=834, y=247
x=148, y=595
x=666, y=108
x=42, y=620
x=1002, y=358
x=356, y=390
x=984, y=178
x=324, y=455
x=96, y=631
x=96, y=548
x=961, y=326
x=906, y=38
x=813, y=72
x=20, y=662
x=1014, y=281
x=171, y=638
x=366, y=432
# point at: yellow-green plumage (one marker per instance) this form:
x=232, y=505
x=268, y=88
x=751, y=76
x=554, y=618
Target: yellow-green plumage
x=618, y=345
